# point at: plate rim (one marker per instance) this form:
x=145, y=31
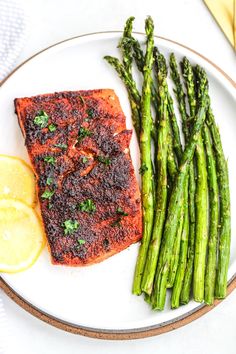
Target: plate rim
x=110, y=334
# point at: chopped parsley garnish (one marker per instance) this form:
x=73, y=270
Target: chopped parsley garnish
x=52, y=128
x=49, y=181
x=81, y=99
x=70, y=226
x=41, y=119
x=61, y=146
x=84, y=159
x=104, y=160
x=143, y=169
x=83, y=132
x=50, y=159
x=47, y=194
x=81, y=241
x=50, y=206
x=120, y=211
x=90, y=112
x=87, y=206
x=116, y=223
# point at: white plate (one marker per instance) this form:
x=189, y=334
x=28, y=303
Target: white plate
x=99, y=296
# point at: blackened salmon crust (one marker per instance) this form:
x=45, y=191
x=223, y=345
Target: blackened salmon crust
x=79, y=148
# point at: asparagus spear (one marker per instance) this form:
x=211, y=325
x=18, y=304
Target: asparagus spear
x=174, y=208
x=161, y=191
x=171, y=160
x=174, y=260
x=125, y=45
x=201, y=182
x=187, y=282
x=201, y=202
x=140, y=62
x=210, y=275
x=175, y=128
x=175, y=297
x=225, y=217
x=189, y=188
x=223, y=184
x=132, y=90
x=179, y=93
x=145, y=151
x=139, y=59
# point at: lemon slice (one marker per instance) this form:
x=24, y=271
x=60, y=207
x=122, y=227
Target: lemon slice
x=16, y=180
x=21, y=236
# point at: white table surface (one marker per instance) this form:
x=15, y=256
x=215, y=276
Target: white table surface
x=188, y=22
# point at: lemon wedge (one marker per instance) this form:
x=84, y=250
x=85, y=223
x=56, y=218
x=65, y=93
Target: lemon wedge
x=16, y=180
x=21, y=236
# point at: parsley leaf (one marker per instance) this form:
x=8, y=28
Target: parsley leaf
x=52, y=127
x=47, y=194
x=49, y=181
x=41, y=119
x=70, y=226
x=87, y=206
x=61, y=146
x=104, y=160
x=120, y=211
x=50, y=159
x=90, y=112
x=83, y=132
x=116, y=223
x=84, y=159
x=81, y=99
x=143, y=169
x=81, y=241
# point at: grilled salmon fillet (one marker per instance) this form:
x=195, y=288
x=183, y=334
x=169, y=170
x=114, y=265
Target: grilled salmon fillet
x=79, y=149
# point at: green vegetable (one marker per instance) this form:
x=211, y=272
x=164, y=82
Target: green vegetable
x=161, y=191
x=50, y=159
x=104, y=160
x=145, y=151
x=52, y=127
x=176, y=292
x=190, y=87
x=191, y=184
x=70, y=226
x=84, y=159
x=223, y=184
x=81, y=99
x=132, y=90
x=116, y=222
x=201, y=203
x=124, y=45
x=47, y=194
x=174, y=209
x=41, y=119
x=87, y=206
x=120, y=211
x=210, y=275
x=81, y=242
x=90, y=112
x=61, y=146
x=143, y=168
x=174, y=259
x=49, y=181
x=83, y=133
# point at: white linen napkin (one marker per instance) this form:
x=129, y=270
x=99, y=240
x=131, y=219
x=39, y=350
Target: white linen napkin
x=13, y=30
